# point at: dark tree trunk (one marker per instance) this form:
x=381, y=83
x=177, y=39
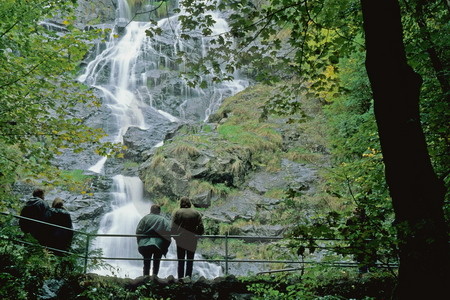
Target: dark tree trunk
x=416, y=192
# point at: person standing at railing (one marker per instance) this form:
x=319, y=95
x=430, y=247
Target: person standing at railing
x=186, y=224
x=156, y=241
x=60, y=238
x=38, y=209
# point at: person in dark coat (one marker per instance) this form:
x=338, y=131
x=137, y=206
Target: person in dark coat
x=186, y=224
x=60, y=238
x=156, y=240
x=36, y=208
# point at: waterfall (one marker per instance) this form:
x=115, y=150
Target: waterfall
x=127, y=203
x=134, y=73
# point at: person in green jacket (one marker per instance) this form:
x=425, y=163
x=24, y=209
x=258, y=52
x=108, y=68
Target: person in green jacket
x=154, y=240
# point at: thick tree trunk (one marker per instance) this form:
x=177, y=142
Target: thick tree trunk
x=416, y=192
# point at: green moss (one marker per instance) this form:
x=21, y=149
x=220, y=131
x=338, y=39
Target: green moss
x=184, y=150
x=168, y=206
x=130, y=164
x=75, y=180
x=302, y=155
x=275, y=193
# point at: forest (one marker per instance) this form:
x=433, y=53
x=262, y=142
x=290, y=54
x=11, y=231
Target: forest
x=356, y=90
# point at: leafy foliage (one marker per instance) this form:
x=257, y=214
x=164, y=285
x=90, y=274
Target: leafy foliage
x=39, y=95
x=335, y=285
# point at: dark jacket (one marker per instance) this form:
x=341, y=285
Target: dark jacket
x=155, y=226
x=186, y=223
x=37, y=209
x=60, y=238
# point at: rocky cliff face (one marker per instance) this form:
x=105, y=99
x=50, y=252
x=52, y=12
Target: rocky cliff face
x=226, y=177
x=95, y=12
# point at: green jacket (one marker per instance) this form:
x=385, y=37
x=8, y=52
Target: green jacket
x=155, y=226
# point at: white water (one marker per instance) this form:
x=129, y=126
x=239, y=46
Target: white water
x=128, y=207
x=114, y=72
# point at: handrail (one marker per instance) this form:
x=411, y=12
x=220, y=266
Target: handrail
x=226, y=259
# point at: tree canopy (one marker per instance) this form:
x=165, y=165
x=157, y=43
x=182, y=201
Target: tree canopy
x=39, y=93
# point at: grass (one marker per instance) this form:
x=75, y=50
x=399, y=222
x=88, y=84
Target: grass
x=75, y=175
x=75, y=180
x=240, y=249
x=200, y=187
x=254, y=136
x=184, y=150
x=275, y=194
x=302, y=155
x=157, y=160
x=156, y=182
x=130, y=164
x=237, y=166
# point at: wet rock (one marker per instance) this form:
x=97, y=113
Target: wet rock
x=102, y=11
x=50, y=289
x=261, y=230
x=292, y=175
x=202, y=200
x=139, y=141
x=244, y=205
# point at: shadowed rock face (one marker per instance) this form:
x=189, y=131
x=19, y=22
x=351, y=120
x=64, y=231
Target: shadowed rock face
x=95, y=12
x=174, y=172
x=178, y=165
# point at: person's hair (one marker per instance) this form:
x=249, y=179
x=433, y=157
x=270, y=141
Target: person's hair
x=185, y=202
x=155, y=209
x=38, y=193
x=58, y=203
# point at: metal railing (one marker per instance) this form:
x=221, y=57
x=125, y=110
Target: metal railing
x=226, y=260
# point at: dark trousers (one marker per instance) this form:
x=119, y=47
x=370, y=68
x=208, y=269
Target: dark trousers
x=149, y=252
x=182, y=255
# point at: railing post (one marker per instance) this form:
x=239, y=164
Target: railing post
x=226, y=253
x=86, y=252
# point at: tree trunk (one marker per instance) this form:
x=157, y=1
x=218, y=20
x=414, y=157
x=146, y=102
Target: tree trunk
x=417, y=194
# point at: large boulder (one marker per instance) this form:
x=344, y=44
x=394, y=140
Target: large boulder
x=295, y=176
x=139, y=142
x=192, y=166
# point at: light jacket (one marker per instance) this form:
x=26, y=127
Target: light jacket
x=186, y=223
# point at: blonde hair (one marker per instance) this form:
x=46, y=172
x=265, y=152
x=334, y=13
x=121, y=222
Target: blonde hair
x=58, y=203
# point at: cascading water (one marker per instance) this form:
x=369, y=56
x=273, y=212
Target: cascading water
x=131, y=71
